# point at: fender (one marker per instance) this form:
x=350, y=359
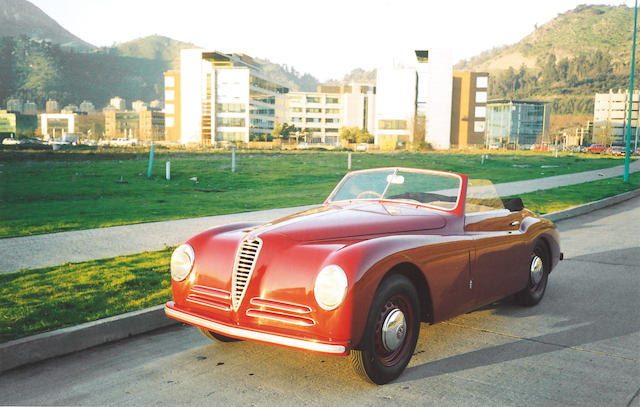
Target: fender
x=443, y=261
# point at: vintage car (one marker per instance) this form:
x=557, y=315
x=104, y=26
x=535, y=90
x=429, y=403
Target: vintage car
x=390, y=248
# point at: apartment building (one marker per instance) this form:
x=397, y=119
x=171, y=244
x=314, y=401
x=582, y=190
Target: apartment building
x=223, y=97
x=413, y=101
x=320, y=115
x=469, y=109
x=145, y=125
x=172, y=106
x=610, y=116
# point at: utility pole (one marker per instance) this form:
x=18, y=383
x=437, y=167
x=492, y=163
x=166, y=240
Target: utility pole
x=633, y=62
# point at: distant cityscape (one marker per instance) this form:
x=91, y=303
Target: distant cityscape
x=217, y=99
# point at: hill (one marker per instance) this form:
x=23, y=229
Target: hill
x=578, y=32
x=20, y=17
x=155, y=47
x=581, y=52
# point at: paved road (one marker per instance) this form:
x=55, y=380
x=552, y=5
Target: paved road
x=579, y=347
x=82, y=245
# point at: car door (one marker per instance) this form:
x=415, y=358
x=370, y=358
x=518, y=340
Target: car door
x=498, y=253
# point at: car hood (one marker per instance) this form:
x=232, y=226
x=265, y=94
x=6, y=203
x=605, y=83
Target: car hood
x=355, y=220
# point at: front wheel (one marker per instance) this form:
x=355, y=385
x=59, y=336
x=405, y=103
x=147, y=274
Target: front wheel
x=391, y=332
x=538, y=277
x=216, y=336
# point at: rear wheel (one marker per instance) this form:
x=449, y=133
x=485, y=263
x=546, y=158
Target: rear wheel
x=216, y=336
x=391, y=332
x=538, y=277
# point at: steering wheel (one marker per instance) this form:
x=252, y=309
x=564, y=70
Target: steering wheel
x=368, y=193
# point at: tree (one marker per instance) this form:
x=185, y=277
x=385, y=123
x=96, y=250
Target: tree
x=355, y=135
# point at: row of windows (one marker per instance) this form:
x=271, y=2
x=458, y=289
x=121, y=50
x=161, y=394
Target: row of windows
x=392, y=124
x=314, y=120
x=332, y=100
x=263, y=112
x=314, y=110
x=230, y=122
x=231, y=107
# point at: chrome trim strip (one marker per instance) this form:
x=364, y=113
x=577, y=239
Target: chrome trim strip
x=208, y=303
x=286, y=319
x=280, y=305
x=211, y=292
x=253, y=335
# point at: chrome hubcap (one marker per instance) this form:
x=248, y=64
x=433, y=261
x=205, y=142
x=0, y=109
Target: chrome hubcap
x=536, y=270
x=394, y=329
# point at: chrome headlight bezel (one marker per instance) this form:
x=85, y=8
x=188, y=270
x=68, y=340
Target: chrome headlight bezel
x=330, y=288
x=182, y=261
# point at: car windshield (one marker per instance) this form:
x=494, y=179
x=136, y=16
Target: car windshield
x=432, y=188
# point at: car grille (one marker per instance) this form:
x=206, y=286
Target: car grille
x=243, y=268
x=284, y=312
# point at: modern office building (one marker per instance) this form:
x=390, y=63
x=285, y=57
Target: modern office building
x=413, y=101
x=469, y=109
x=224, y=97
x=172, y=106
x=610, y=116
x=516, y=123
x=321, y=114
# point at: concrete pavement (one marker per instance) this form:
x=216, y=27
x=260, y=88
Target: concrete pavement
x=82, y=245
x=579, y=347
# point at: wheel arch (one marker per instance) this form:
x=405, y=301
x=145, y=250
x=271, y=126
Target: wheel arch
x=417, y=278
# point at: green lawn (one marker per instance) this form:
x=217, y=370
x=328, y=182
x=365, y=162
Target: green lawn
x=39, y=300
x=45, y=192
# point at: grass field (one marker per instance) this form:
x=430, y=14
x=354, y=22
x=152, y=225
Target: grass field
x=45, y=192
x=39, y=300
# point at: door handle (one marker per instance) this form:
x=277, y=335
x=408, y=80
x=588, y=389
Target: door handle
x=514, y=223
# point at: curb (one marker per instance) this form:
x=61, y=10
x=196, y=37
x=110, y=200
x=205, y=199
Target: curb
x=591, y=206
x=64, y=341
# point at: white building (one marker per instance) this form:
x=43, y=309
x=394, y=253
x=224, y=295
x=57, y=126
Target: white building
x=610, y=113
x=321, y=114
x=223, y=97
x=51, y=106
x=139, y=106
x=118, y=103
x=413, y=101
x=87, y=107
x=14, y=105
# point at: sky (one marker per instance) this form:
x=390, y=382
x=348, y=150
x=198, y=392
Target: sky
x=326, y=38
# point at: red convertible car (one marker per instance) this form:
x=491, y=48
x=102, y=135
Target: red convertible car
x=390, y=248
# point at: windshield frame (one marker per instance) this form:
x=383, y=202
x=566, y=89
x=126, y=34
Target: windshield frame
x=459, y=203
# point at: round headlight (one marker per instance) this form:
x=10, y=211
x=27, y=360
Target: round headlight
x=181, y=262
x=331, y=287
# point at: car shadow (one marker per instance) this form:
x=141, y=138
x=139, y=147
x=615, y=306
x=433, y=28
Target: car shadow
x=594, y=298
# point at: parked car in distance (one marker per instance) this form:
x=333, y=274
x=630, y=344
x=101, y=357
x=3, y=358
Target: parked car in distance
x=389, y=248
x=617, y=150
x=362, y=147
x=595, y=148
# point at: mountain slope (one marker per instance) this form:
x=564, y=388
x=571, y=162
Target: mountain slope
x=155, y=47
x=578, y=32
x=20, y=17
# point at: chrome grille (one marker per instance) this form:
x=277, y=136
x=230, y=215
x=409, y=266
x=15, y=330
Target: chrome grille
x=245, y=262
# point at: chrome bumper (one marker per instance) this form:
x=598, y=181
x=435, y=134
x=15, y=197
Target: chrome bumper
x=243, y=333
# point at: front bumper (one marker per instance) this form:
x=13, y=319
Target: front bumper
x=174, y=312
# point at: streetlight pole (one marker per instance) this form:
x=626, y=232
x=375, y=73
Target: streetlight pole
x=633, y=62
